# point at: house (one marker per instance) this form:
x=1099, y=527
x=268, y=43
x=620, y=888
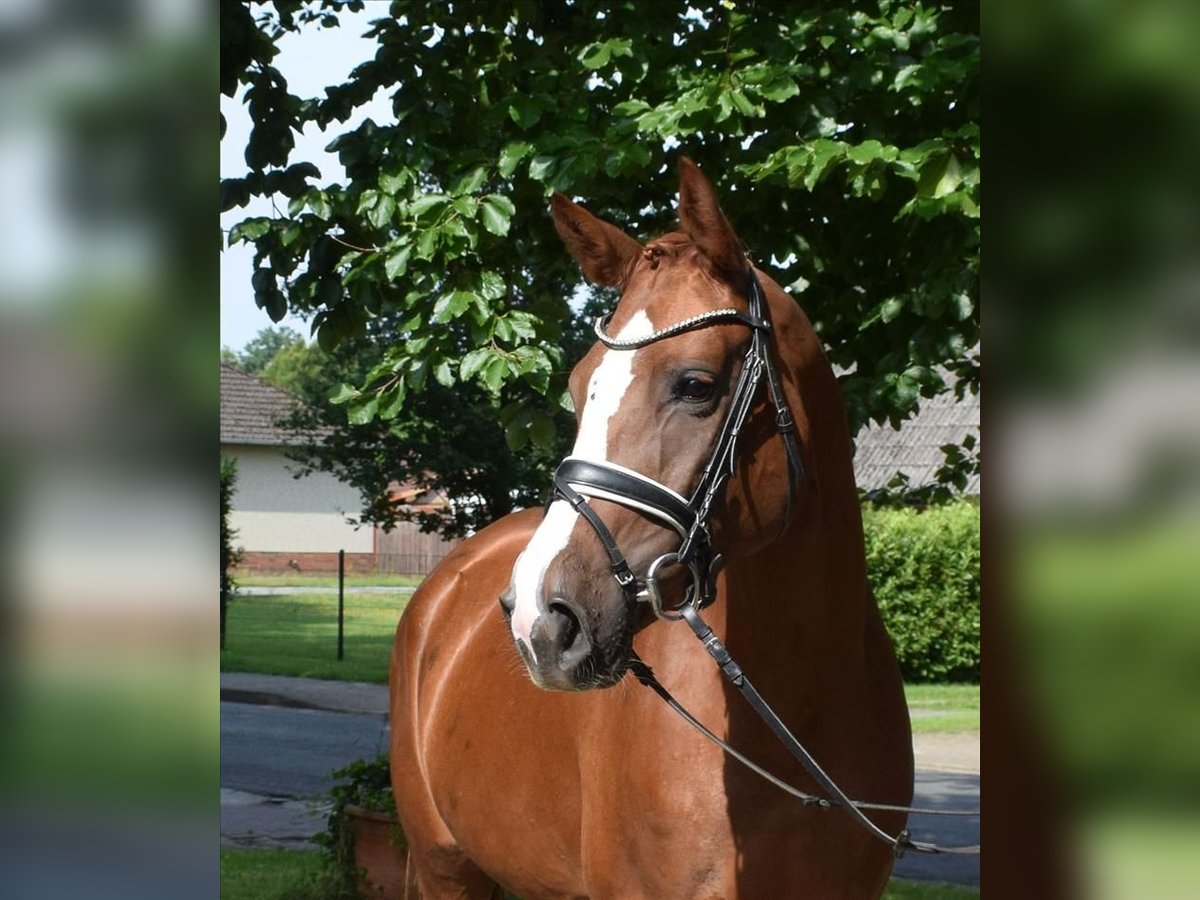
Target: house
x=284, y=523
x=915, y=448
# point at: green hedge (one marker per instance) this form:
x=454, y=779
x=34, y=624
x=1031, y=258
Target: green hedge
x=924, y=568
x=230, y=555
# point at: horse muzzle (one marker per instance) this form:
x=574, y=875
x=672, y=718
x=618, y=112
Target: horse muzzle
x=563, y=651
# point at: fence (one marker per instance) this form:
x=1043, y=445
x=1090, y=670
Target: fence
x=405, y=550
x=298, y=616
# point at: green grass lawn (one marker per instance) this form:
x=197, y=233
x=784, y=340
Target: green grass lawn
x=943, y=707
x=270, y=875
x=296, y=634
x=279, y=874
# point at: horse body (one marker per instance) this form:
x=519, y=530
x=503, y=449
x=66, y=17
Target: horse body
x=606, y=793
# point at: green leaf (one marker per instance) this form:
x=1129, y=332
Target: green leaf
x=392, y=184
x=522, y=324
x=524, y=111
x=502, y=330
x=318, y=202
x=497, y=212
x=743, y=105
x=891, y=308
x=951, y=178
x=470, y=182
x=290, y=234
x=443, y=373
x=397, y=263
x=963, y=306
x=511, y=156
x=343, y=393
x=595, y=56
x=865, y=152
x=824, y=154
x=391, y=401
x=505, y=204
x=425, y=203
x=249, y=230
x=427, y=243
x=905, y=76
x=473, y=362
x=362, y=409
x=492, y=285
x=262, y=280
x=366, y=202
x=327, y=336
x=780, y=87
x=381, y=215
x=234, y=192
x=940, y=176
x=629, y=108
x=276, y=304
x=494, y=372
x=452, y=305
x=540, y=166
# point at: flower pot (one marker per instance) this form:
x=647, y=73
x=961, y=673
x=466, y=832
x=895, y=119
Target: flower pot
x=379, y=849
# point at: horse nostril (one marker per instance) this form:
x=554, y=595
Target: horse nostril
x=571, y=637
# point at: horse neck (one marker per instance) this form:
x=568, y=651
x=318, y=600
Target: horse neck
x=802, y=599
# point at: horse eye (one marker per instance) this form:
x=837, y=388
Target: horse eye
x=693, y=389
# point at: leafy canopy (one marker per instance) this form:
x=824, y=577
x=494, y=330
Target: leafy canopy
x=843, y=139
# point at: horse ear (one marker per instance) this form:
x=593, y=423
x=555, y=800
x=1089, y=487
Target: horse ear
x=702, y=220
x=605, y=252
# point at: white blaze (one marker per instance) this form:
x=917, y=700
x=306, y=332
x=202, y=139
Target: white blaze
x=605, y=391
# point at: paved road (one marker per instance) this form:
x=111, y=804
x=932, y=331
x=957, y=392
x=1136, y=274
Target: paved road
x=276, y=763
x=282, y=752
x=951, y=791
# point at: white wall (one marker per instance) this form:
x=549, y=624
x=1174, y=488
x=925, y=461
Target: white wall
x=274, y=512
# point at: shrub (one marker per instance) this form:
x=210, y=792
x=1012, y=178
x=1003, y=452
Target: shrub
x=230, y=555
x=923, y=566
x=367, y=784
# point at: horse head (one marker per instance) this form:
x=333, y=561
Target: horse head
x=656, y=398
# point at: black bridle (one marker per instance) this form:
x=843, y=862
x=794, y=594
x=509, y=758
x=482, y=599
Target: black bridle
x=576, y=480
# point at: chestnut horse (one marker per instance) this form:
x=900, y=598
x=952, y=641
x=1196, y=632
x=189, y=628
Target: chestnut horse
x=522, y=754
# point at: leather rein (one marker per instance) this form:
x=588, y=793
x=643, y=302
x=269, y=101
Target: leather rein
x=576, y=480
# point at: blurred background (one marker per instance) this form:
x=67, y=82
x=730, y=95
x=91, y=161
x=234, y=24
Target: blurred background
x=108, y=410
x=108, y=403
x=1092, y=311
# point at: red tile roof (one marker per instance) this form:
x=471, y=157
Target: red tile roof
x=251, y=411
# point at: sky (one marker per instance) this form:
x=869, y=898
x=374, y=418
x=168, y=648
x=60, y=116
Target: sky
x=309, y=61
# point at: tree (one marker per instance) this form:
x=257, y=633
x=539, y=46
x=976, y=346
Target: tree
x=843, y=139
x=262, y=349
x=447, y=441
